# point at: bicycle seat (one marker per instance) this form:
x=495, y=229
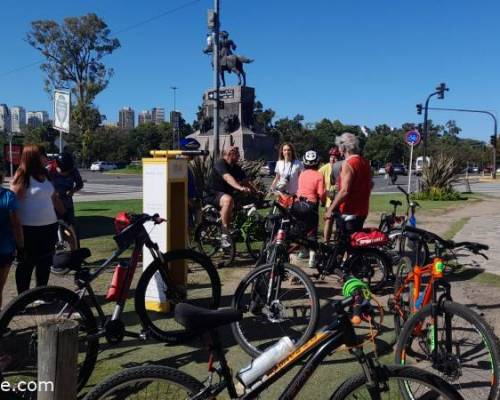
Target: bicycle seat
x=70, y=260
x=395, y=203
x=201, y=320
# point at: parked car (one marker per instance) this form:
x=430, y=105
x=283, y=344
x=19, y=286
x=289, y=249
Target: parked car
x=400, y=169
x=268, y=168
x=381, y=171
x=102, y=166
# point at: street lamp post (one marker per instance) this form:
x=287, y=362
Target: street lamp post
x=495, y=132
x=176, y=138
x=440, y=93
x=11, y=135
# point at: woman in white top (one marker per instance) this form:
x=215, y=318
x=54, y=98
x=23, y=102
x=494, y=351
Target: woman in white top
x=37, y=200
x=287, y=170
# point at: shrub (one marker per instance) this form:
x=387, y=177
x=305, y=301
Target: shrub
x=438, y=194
x=441, y=173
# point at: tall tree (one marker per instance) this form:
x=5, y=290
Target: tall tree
x=74, y=52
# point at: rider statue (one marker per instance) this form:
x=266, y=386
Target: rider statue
x=227, y=60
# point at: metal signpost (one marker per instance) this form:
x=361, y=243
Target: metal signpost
x=62, y=105
x=412, y=138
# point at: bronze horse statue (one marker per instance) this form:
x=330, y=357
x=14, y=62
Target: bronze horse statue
x=233, y=63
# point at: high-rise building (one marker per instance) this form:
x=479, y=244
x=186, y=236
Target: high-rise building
x=4, y=118
x=158, y=115
x=18, y=119
x=35, y=119
x=145, y=117
x=126, y=118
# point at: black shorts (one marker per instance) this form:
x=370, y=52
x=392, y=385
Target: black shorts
x=6, y=260
x=214, y=198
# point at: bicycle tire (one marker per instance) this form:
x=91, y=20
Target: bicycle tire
x=488, y=344
x=208, y=238
x=305, y=324
x=404, y=267
x=204, y=290
x=360, y=266
x=129, y=381
x=255, y=232
x=402, y=376
x=422, y=258
x=15, y=317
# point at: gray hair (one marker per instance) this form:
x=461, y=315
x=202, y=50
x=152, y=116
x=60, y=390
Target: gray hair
x=348, y=142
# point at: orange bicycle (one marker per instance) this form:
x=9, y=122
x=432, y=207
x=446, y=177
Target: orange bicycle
x=436, y=332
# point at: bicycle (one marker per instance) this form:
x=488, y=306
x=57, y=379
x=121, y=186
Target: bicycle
x=376, y=382
x=23, y=314
x=276, y=298
x=247, y=227
x=439, y=333
x=361, y=254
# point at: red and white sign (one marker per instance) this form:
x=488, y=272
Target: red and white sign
x=17, y=149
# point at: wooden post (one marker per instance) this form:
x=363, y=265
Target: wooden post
x=57, y=359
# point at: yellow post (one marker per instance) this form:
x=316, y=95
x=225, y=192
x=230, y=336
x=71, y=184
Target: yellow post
x=165, y=192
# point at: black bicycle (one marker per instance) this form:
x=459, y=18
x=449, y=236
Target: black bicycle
x=376, y=382
x=20, y=319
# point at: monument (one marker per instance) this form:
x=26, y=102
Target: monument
x=236, y=103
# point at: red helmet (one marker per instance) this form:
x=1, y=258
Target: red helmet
x=122, y=220
x=334, y=151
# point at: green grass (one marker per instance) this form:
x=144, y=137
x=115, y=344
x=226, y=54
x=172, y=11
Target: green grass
x=455, y=228
x=487, y=278
x=128, y=170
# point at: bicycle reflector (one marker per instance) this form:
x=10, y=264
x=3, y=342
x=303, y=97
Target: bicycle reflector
x=438, y=267
x=122, y=220
x=353, y=285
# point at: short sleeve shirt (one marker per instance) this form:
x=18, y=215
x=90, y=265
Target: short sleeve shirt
x=221, y=167
x=8, y=204
x=289, y=172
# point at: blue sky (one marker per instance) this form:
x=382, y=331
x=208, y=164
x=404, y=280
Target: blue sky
x=363, y=62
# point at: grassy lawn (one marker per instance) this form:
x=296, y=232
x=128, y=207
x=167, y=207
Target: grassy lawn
x=128, y=170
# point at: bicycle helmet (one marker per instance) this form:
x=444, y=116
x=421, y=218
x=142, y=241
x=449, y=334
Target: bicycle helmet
x=310, y=159
x=65, y=162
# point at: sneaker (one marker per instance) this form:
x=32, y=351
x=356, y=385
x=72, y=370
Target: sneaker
x=225, y=241
x=302, y=254
x=312, y=259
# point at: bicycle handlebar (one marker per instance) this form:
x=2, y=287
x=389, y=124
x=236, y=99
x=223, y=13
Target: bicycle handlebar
x=142, y=218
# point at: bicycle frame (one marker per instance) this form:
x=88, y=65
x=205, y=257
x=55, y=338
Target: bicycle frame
x=84, y=279
x=323, y=343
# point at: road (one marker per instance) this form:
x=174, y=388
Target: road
x=101, y=186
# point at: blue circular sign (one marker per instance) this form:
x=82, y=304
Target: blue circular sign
x=412, y=138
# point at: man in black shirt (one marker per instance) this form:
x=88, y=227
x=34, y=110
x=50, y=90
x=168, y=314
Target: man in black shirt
x=227, y=176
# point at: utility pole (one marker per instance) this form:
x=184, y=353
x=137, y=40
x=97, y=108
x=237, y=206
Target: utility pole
x=215, y=32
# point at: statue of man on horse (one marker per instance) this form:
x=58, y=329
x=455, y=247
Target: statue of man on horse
x=228, y=62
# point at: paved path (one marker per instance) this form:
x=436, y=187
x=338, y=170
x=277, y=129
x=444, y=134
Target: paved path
x=483, y=229
x=107, y=191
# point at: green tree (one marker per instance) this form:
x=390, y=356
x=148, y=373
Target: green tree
x=74, y=52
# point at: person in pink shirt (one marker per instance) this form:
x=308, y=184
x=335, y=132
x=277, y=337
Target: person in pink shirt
x=311, y=192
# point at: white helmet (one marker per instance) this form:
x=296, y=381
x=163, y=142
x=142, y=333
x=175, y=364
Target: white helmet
x=310, y=158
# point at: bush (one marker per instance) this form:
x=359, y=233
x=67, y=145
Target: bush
x=438, y=194
x=441, y=173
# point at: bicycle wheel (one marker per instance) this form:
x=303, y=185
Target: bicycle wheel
x=417, y=250
x=402, y=382
x=202, y=289
x=370, y=266
x=19, y=323
x=146, y=383
x=255, y=236
x=404, y=302
x=292, y=310
x=66, y=241
x=208, y=237
x=472, y=365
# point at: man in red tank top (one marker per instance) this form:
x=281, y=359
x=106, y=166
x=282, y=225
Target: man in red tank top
x=355, y=185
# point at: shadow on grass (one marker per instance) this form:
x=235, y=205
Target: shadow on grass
x=464, y=274
x=93, y=226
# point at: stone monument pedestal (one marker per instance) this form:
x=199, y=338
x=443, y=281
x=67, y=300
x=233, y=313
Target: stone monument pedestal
x=236, y=124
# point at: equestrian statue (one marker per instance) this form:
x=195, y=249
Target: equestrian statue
x=228, y=62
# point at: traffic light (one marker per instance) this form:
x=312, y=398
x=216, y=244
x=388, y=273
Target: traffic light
x=441, y=89
x=419, y=109
x=493, y=141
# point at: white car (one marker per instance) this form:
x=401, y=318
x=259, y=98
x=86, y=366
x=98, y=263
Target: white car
x=102, y=166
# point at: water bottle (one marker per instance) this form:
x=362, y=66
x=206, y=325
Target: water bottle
x=266, y=361
x=117, y=282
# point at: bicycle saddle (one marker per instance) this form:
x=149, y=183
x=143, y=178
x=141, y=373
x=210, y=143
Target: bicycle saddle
x=201, y=320
x=395, y=203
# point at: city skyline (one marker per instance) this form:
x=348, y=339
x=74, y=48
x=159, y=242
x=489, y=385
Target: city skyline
x=363, y=64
